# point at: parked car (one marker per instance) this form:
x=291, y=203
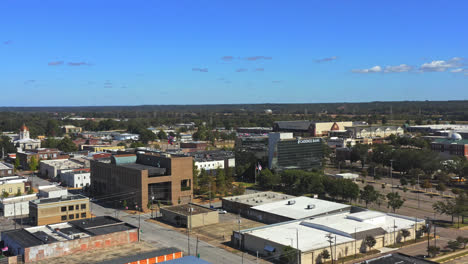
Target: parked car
x=221, y=211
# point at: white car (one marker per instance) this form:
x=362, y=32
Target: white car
x=221, y=211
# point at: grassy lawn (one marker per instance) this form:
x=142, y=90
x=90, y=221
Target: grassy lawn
x=454, y=225
x=452, y=257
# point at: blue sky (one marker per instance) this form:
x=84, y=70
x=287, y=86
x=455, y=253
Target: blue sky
x=60, y=53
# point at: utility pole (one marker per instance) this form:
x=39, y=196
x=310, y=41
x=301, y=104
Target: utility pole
x=330, y=240
x=428, y=235
x=391, y=173
x=210, y=192
x=336, y=255
x=435, y=237
x=189, y=228
x=418, y=191
x=394, y=232
x=196, y=248
x=297, y=247
x=14, y=209
x=355, y=247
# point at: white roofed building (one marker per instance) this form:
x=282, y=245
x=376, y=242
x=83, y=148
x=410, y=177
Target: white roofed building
x=311, y=236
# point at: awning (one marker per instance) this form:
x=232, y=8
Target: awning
x=269, y=248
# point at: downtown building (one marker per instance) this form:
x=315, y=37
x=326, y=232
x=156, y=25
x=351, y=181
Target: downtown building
x=143, y=177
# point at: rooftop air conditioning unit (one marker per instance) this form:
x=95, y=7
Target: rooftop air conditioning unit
x=310, y=206
x=291, y=202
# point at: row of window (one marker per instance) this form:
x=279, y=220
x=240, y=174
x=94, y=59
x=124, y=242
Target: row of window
x=10, y=190
x=73, y=207
x=6, y=172
x=73, y=216
x=45, y=156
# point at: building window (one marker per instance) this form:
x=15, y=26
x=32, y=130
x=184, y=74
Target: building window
x=64, y=217
x=83, y=206
x=63, y=209
x=70, y=208
x=71, y=216
x=10, y=190
x=83, y=215
x=77, y=207
x=77, y=216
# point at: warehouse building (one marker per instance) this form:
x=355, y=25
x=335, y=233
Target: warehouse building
x=312, y=236
x=296, y=208
x=241, y=204
x=309, y=128
x=16, y=205
x=49, y=241
x=190, y=215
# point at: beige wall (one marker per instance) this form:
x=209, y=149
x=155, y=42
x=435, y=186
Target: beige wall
x=254, y=244
x=197, y=220
x=50, y=213
x=12, y=188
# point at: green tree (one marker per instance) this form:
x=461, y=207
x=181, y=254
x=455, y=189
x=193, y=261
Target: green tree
x=67, y=145
x=17, y=164
x=162, y=135
x=5, y=194
x=405, y=233
x=369, y=195
x=267, y=179
x=33, y=163
x=146, y=135
x=433, y=250
x=325, y=254
x=220, y=180
x=53, y=128
x=289, y=255
x=403, y=181
x=463, y=241
x=426, y=184
x=136, y=144
x=448, y=207
x=370, y=242
x=394, y=201
x=7, y=145
x=124, y=204
x=18, y=193
x=453, y=245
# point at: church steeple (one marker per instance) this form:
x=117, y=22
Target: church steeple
x=24, y=132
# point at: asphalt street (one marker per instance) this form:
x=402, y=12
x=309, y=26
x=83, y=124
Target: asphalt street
x=163, y=237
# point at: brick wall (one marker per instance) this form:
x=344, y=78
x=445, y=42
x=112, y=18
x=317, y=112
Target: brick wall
x=58, y=249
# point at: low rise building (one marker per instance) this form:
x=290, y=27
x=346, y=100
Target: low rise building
x=56, y=240
x=241, y=204
x=155, y=256
x=77, y=178
x=349, y=176
x=54, y=168
x=309, y=128
x=347, y=231
x=193, y=146
x=51, y=191
x=454, y=146
x=189, y=215
x=6, y=169
x=102, y=148
x=39, y=154
x=213, y=159
x=16, y=205
x=294, y=209
x=12, y=185
x=46, y=211
x=71, y=129
x=24, y=142
x=126, y=136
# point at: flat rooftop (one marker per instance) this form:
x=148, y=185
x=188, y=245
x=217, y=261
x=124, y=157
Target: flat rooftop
x=69, y=197
x=184, y=209
x=259, y=198
x=12, y=179
x=38, y=235
x=346, y=226
x=142, y=167
x=301, y=207
x=5, y=166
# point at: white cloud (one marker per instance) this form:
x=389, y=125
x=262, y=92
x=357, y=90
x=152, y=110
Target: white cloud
x=441, y=65
x=370, y=70
x=398, y=68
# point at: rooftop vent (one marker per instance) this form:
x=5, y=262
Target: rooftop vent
x=310, y=206
x=291, y=202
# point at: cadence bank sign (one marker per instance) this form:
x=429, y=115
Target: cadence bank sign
x=310, y=140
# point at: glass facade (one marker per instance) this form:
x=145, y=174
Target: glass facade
x=302, y=154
